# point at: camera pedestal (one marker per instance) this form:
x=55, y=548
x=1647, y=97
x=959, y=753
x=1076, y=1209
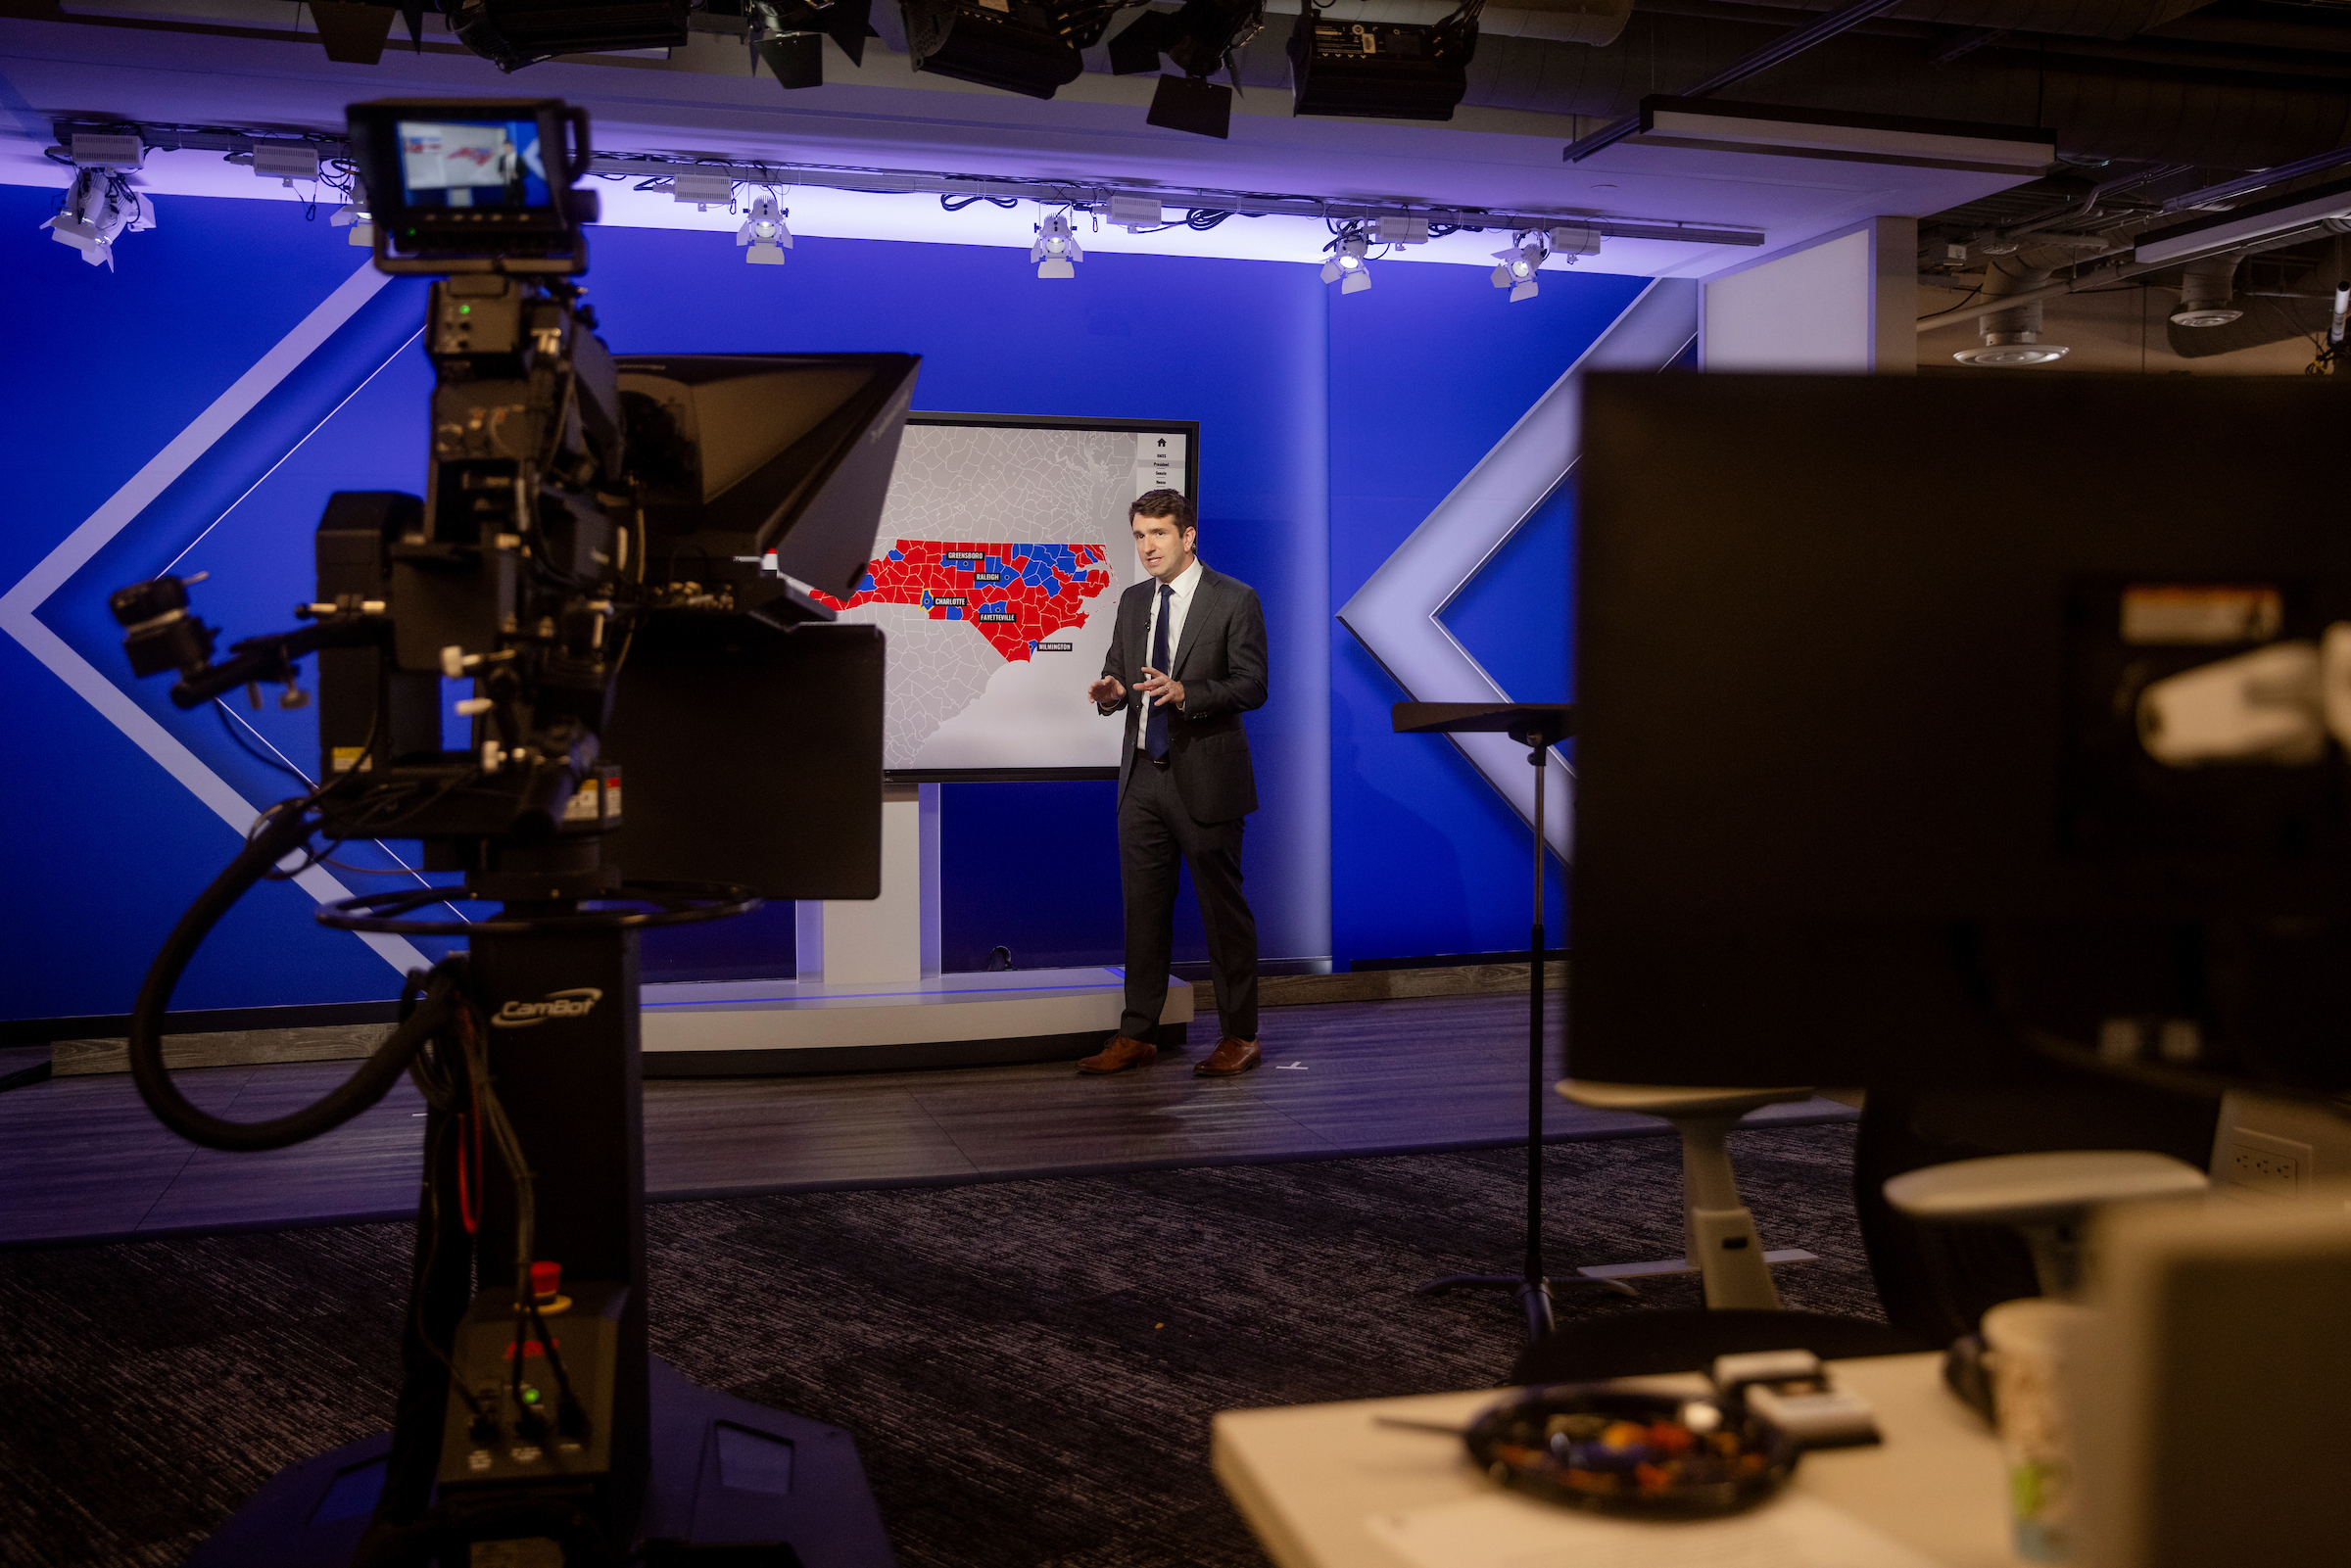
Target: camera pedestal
x=723, y=1469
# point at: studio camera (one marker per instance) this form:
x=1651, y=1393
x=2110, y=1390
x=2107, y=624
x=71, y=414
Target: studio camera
x=610, y=571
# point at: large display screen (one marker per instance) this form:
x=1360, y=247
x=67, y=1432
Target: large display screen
x=472, y=163
x=1003, y=548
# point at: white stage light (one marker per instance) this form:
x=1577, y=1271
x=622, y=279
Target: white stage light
x=99, y=206
x=1347, y=261
x=1056, y=247
x=705, y=191
x=1517, y=267
x=354, y=216
x=764, y=232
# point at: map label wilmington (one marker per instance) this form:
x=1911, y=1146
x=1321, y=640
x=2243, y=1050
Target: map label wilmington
x=1014, y=595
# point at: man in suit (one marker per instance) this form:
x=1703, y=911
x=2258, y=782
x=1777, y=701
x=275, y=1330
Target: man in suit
x=1187, y=660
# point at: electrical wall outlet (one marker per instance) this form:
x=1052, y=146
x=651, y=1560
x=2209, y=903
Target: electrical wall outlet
x=2262, y=1164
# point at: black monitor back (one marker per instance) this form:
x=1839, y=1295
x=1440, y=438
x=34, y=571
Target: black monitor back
x=1859, y=797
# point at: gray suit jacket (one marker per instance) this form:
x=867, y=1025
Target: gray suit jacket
x=1222, y=663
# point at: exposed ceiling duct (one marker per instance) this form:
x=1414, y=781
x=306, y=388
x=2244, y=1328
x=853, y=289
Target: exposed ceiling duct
x=2205, y=290
x=2113, y=109
x=2085, y=18
x=2302, y=307
x=2012, y=337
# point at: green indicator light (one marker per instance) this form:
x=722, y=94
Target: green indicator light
x=530, y=1395
x=464, y=310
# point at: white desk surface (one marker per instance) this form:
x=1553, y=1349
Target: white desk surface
x=1306, y=1477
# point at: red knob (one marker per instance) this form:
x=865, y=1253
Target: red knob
x=546, y=1280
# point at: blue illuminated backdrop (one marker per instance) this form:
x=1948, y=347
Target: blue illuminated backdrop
x=1329, y=427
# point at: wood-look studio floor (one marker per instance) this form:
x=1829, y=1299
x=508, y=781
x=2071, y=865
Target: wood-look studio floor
x=81, y=1159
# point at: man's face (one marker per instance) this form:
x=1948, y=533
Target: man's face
x=1166, y=551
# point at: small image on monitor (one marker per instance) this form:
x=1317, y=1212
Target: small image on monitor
x=472, y=163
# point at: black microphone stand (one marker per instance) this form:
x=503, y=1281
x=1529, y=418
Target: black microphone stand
x=1538, y=725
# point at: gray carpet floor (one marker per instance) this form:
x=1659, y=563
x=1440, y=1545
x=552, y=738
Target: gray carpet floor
x=1030, y=1368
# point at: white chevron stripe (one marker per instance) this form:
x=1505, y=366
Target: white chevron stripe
x=18, y=605
x=1395, y=614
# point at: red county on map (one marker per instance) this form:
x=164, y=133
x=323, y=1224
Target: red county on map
x=1015, y=596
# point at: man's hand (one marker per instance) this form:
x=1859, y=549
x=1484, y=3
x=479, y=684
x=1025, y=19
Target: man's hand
x=1162, y=692
x=1106, y=690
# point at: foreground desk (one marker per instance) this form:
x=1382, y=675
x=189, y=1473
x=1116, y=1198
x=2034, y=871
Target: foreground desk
x=1309, y=1479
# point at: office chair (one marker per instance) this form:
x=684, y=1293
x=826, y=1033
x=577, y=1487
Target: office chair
x=1718, y=1234
x=1934, y=1278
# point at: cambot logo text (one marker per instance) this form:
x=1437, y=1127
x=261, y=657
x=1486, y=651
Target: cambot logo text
x=571, y=1004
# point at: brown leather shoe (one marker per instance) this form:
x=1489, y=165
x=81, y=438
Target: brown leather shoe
x=1123, y=1052
x=1229, y=1060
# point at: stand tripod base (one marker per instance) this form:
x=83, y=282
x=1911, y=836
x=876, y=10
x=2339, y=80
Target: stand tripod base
x=1534, y=1295
x=723, y=1470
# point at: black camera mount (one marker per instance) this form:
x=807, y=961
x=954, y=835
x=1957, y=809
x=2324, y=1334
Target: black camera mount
x=542, y=553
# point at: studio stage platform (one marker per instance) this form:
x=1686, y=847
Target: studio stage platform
x=754, y=1028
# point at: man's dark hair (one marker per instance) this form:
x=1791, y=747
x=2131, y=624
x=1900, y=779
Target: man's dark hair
x=1164, y=503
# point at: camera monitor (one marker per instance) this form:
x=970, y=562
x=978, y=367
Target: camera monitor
x=483, y=185
x=1905, y=736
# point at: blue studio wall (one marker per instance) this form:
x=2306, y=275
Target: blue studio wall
x=1429, y=368
x=1330, y=426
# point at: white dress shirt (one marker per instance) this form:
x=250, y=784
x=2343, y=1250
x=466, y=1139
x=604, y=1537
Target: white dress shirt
x=1186, y=583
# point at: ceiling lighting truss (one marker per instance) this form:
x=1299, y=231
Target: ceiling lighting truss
x=1415, y=223
x=1784, y=48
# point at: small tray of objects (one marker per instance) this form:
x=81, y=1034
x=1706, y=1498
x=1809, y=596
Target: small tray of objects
x=1619, y=1448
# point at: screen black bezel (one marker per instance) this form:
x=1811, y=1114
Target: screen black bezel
x=562, y=128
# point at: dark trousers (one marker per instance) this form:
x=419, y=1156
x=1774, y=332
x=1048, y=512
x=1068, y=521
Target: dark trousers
x=1155, y=832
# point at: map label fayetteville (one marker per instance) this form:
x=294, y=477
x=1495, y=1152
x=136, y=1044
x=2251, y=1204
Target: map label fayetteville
x=1014, y=595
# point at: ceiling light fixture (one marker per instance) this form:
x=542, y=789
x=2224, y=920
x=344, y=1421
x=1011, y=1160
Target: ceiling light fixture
x=1347, y=261
x=354, y=216
x=514, y=34
x=2007, y=350
x=97, y=208
x=1515, y=268
x=1009, y=44
x=790, y=36
x=1056, y=247
x=765, y=233
x=1200, y=40
x=1380, y=70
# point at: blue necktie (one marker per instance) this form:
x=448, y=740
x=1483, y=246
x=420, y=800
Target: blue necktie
x=1155, y=723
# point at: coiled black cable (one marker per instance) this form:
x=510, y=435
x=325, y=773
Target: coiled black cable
x=284, y=830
